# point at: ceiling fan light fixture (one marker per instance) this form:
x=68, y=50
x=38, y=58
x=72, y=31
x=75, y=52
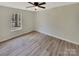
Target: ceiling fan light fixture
x=36, y=7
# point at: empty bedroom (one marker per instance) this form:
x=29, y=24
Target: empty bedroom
x=39, y=29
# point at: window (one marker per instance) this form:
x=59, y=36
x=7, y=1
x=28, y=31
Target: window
x=16, y=21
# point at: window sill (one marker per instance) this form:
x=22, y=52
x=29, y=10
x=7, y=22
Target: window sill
x=16, y=29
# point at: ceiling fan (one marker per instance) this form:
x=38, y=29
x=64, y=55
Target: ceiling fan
x=37, y=4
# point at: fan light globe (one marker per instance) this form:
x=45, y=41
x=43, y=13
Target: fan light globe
x=36, y=8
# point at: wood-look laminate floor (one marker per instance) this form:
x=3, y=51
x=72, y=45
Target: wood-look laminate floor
x=38, y=44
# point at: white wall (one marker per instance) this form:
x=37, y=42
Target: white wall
x=62, y=22
x=27, y=18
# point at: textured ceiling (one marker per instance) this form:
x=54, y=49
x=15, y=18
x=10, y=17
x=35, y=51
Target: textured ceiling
x=23, y=5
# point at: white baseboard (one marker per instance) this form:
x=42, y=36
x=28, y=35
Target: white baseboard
x=10, y=37
x=58, y=37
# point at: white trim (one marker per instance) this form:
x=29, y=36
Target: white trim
x=12, y=30
x=58, y=37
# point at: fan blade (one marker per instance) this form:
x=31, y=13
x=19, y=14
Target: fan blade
x=42, y=3
x=30, y=6
x=31, y=3
x=41, y=6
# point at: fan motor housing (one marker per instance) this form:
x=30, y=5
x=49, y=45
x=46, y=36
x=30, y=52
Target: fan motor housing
x=36, y=3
